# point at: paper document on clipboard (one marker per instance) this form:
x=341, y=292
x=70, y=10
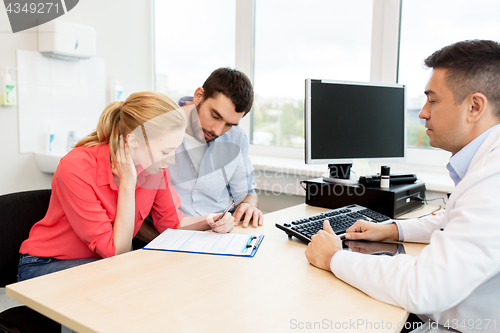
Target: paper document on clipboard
x=230, y=244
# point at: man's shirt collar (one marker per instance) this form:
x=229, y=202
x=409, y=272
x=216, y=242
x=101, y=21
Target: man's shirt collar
x=459, y=163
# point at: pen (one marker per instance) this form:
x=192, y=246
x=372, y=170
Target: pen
x=225, y=211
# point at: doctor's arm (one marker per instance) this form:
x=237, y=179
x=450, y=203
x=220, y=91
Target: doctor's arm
x=325, y=244
x=428, y=283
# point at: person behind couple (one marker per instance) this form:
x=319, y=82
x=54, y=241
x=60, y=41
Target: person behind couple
x=455, y=281
x=104, y=188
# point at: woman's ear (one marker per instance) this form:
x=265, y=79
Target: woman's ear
x=131, y=140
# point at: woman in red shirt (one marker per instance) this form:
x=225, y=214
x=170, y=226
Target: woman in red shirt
x=106, y=186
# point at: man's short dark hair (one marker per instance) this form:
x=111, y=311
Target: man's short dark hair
x=473, y=66
x=233, y=84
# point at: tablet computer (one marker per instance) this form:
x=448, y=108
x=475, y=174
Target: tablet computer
x=374, y=248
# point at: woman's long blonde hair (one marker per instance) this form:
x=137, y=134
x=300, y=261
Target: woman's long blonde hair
x=150, y=112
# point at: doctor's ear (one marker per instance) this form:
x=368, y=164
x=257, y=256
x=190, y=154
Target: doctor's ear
x=477, y=104
x=131, y=140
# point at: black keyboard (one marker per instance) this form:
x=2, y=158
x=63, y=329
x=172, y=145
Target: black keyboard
x=340, y=220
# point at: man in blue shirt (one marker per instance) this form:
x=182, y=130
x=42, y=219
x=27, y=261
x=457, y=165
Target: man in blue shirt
x=212, y=166
x=456, y=278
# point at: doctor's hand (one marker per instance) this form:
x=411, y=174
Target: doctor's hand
x=250, y=212
x=371, y=247
x=323, y=246
x=222, y=226
x=372, y=231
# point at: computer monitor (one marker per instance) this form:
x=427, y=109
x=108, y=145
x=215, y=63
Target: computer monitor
x=345, y=121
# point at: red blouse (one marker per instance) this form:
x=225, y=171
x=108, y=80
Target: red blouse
x=82, y=208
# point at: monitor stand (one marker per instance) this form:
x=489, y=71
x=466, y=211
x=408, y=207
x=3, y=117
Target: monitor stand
x=341, y=174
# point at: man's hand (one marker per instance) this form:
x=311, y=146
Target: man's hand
x=372, y=231
x=323, y=246
x=222, y=226
x=250, y=212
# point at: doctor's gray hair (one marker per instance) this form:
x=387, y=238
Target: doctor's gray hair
x=473, y=66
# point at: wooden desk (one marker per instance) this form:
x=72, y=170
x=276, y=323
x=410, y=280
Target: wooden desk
x=156, y=291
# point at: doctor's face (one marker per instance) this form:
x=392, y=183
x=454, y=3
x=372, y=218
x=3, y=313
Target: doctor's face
x=444, y=119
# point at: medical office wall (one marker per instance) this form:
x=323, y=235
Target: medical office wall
x=123, y=42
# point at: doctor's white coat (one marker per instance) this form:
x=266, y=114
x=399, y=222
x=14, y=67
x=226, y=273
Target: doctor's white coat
x=456, y=278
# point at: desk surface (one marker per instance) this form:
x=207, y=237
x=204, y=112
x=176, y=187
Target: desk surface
x=157, y=291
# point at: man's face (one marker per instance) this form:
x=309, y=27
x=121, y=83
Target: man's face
x=445, y=121
x=217, y=115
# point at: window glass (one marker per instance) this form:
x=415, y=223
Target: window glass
x=427, y=26
x=295, y=40
x=192, y=38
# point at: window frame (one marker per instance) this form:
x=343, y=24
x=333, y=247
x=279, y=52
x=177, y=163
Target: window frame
x=383, y=68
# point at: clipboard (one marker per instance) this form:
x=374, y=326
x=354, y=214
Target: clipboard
x=204, y=242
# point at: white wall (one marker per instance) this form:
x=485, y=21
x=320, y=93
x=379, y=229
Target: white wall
x=123, y=40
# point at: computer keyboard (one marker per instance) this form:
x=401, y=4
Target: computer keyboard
x=340, y=220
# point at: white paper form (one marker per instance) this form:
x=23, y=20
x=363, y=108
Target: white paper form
x=232, y=244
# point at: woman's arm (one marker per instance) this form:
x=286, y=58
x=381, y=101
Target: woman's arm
x=194, y=223
x=148, y=232
x=123, y=227
x=166, y=214
x=206, y=222
x=209, y=221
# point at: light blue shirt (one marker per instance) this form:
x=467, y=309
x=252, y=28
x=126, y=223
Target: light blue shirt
x=225, y=170
x=459, y=163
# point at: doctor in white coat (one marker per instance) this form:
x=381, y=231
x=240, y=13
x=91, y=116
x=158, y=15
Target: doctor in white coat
x=454, y=284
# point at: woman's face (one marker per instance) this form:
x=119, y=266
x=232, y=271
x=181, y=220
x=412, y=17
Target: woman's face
x=159, y=154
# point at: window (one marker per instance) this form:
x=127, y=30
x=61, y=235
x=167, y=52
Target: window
x=295, y=40
x=427, y=26
x=192, y=38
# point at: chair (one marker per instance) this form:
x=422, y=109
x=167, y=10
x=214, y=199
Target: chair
x=18, y=213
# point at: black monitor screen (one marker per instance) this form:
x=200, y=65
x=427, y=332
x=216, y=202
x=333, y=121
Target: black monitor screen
x=355, y=121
